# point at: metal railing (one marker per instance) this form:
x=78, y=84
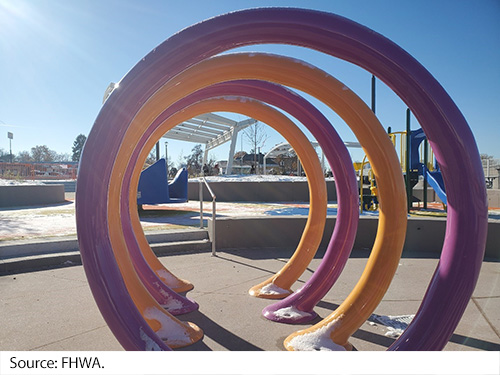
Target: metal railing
x=212, y=232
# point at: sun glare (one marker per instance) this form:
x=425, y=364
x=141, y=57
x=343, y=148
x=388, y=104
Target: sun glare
x=12, y=11
x=17, y=18
x=25, y=23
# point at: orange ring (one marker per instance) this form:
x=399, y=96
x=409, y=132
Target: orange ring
x=389, y=241
x=307, y=154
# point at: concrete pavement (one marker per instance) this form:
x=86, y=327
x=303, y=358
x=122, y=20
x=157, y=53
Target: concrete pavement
x=53, y=309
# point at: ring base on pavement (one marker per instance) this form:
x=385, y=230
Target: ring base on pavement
x=319, y=340
x=288, y=315
x=185, y=287
x=195, y=335
x=179, y=307
x=269, y=291
x=173, y=282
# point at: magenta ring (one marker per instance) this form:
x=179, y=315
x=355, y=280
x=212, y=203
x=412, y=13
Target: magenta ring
x=445, y=127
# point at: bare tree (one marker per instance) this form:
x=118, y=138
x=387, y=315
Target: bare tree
x=62, y=157
x=194, y=161
x=491, y=158
x=256, y=135
x=150, y=160
x=181, y=160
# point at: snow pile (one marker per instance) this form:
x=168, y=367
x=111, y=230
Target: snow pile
x=318, y=339
x=55, y=220
x=271, y=289
x=5, y=182
x=255, y=178
x=291, y=313
x=395, y=324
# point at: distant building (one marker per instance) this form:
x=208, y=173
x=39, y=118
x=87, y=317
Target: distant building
x=243, y=162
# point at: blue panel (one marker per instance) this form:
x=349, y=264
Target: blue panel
x=178, y=188
x=416, y=137
x=153, y=184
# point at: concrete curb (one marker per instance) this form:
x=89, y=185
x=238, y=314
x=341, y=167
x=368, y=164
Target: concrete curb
x=26, y=255
x=30, y=195
x=37, y=247
x=38, y=262
x=424, y=235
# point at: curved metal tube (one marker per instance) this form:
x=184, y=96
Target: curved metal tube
x=392, y=224
x=444, y=125
x=335, y=151
x=317, y=187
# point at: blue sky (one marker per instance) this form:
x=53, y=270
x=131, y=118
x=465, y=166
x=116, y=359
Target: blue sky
x=57, y=57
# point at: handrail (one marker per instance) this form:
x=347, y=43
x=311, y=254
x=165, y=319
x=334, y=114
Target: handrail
x=212, y=234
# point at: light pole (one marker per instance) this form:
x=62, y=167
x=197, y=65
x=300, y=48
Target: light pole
x=10, y=136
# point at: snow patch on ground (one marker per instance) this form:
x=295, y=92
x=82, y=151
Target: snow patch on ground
x=317, y=340
x=395, y=324
x=272, y=289
x=5, y=182
x=255, y=178
x=290, y=312
x=57, y=220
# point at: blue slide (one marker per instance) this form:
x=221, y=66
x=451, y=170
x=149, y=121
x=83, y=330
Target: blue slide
x=434, y=178
x=155, y=189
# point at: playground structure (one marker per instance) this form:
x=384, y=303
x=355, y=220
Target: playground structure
x=154, y=187
x=417, y=161
x=421, y=164
x=149, y=101
x=429, y=170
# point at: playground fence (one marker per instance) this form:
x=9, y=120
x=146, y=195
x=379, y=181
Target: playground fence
x=38, y=171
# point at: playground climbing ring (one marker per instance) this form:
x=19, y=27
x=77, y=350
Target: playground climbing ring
x=120, y=270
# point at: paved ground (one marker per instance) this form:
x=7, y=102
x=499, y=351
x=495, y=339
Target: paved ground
x=54, y=309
